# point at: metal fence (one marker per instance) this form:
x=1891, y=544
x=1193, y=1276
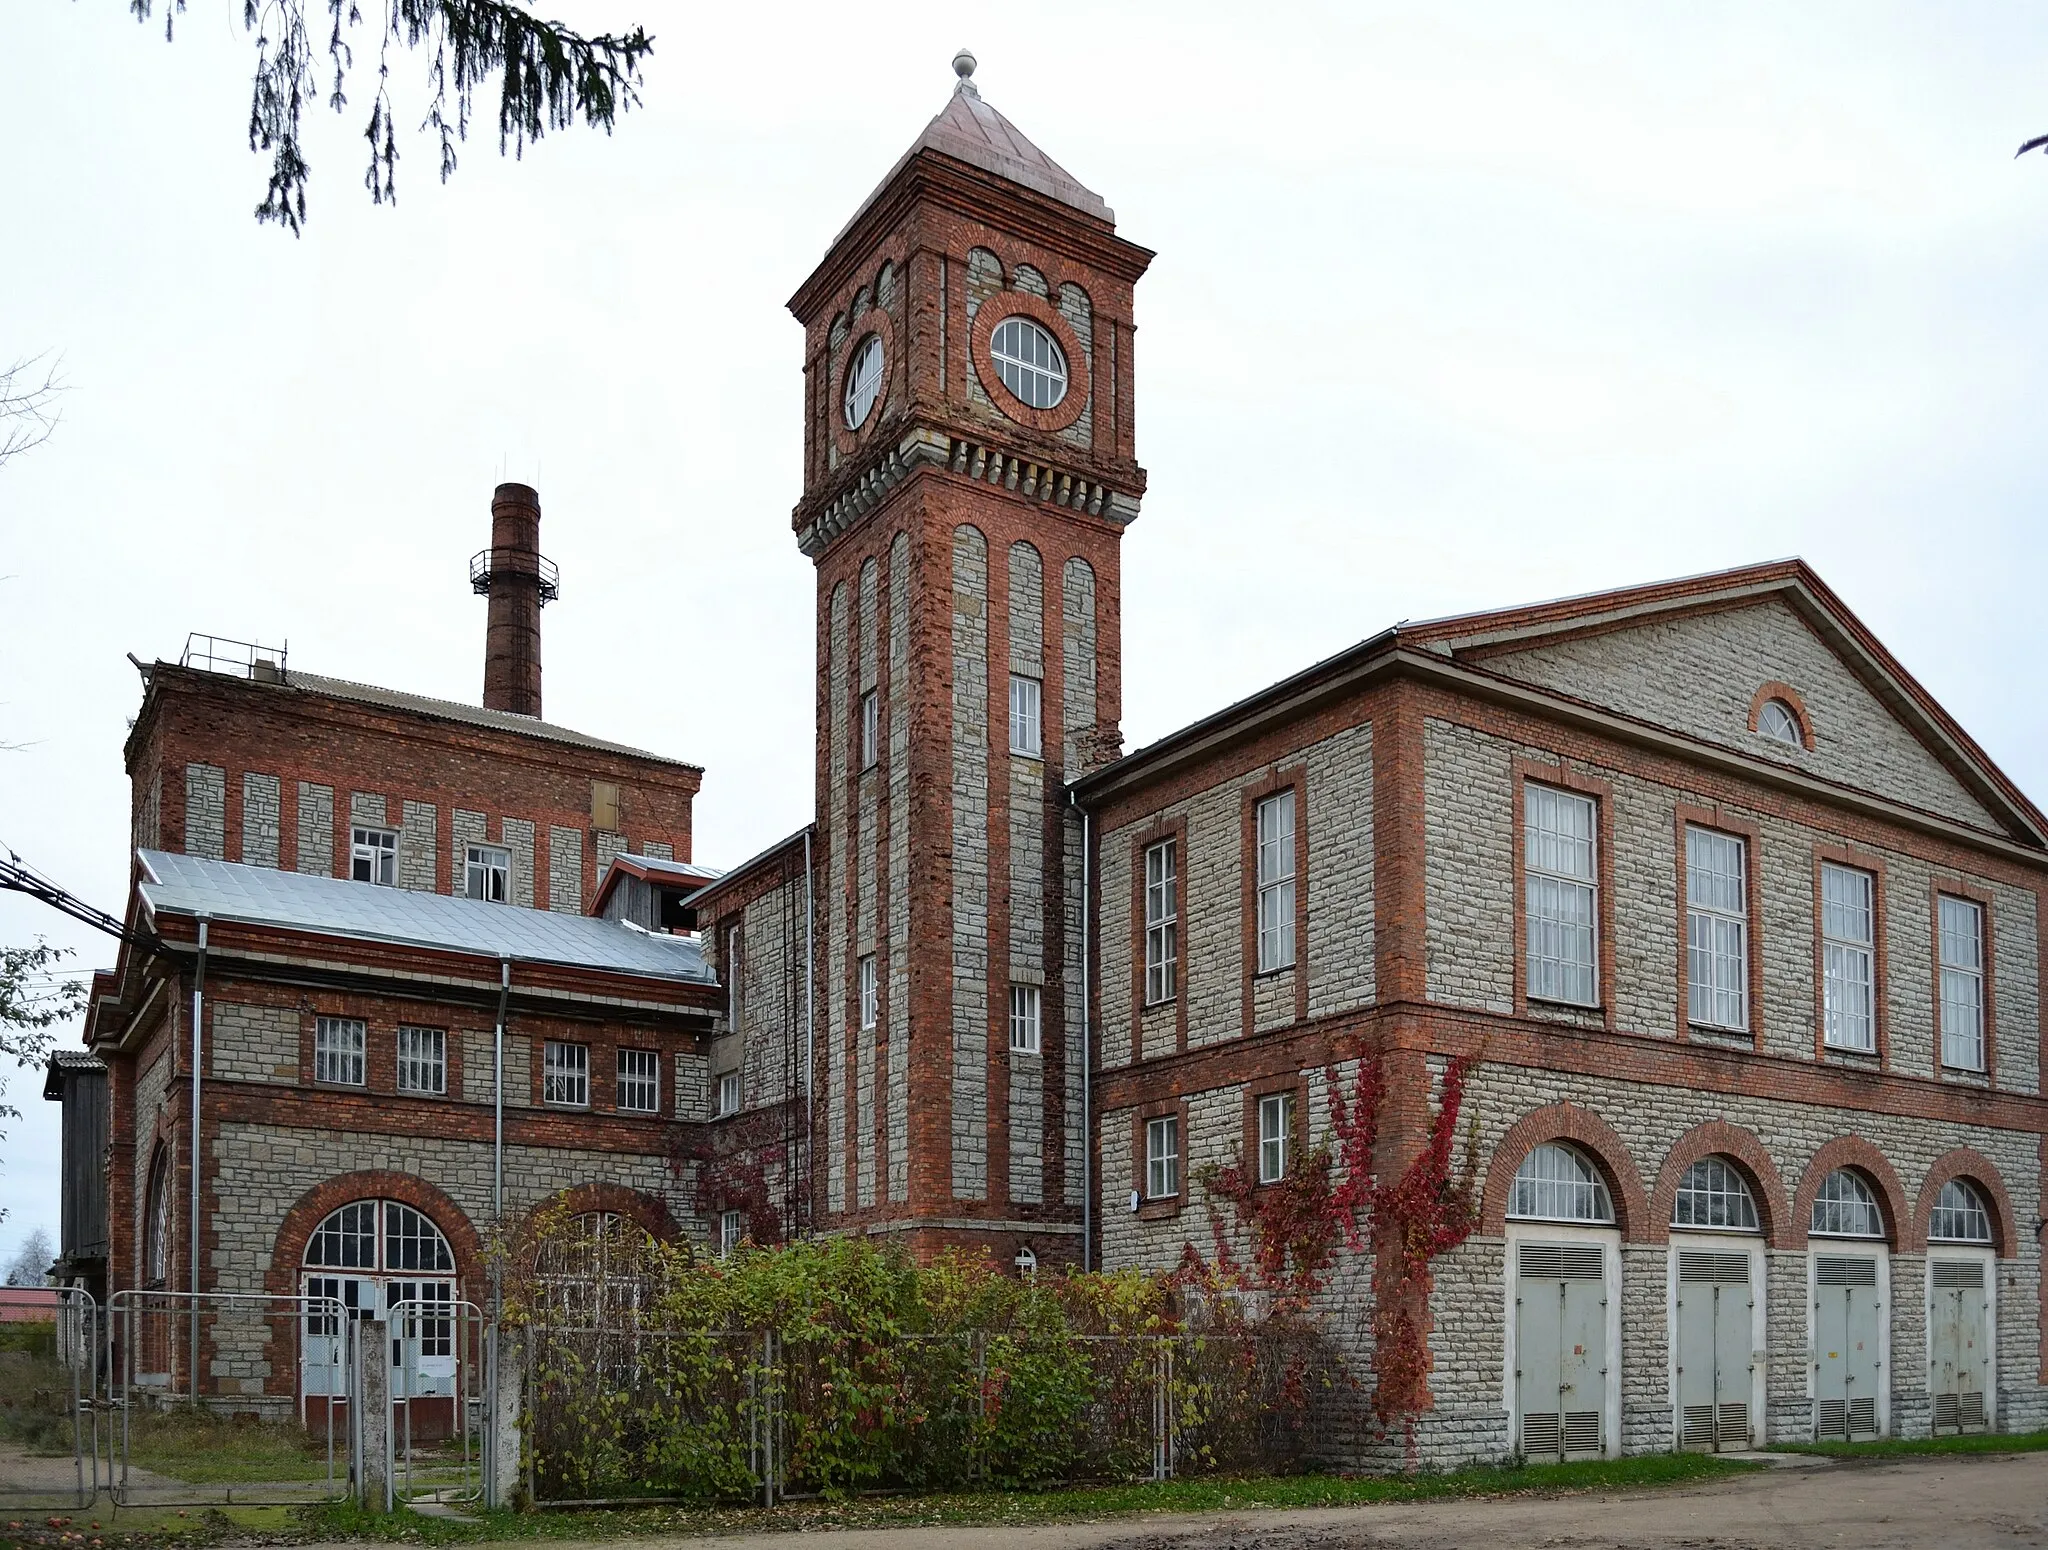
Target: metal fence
x=64, y=1413
x=633, y=1414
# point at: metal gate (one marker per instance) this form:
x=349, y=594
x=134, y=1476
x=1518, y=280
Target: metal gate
x=1714, y=1347
x=196, y=1352
x=1848, y=1346
x=1561, y=1350
x=1958, y=1345
x=71, y=1408
x=437, y=1346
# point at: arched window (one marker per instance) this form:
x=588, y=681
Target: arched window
x=1713, y=1195
x=1030, y=362
x=156, y=1222
x=1959, y=1215
x=381, y=1259
x=1556, y=1184
x=1779, y=722
x=349, y=1239
x=863, y=381
x=1846, y=1207
x=595, y=1264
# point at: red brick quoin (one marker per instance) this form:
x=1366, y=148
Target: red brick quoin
x=1593, y=1137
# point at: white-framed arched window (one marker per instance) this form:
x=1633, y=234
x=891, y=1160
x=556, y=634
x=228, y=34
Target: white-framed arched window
x=1714, y=1197
x=1846, y=1207
x=1779, y=722
x=1557, y=1184
x=156, y=1222
x=864, y=381
x=1030, y=362
x=1959, y=1216
x=374, y=1259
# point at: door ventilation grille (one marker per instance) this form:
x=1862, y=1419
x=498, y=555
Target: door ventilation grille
x=1831, y=1418
x=1582, y=1431
x=1947, y=1412
x=1699, y=1426
x=1863, y=1417
x=1970, y=1411
x=1561, y=1261
x=1706, y=1266
x=1838, y=1270
x=1540, y=1437
x=1959, y=1274
x=1734, y=1425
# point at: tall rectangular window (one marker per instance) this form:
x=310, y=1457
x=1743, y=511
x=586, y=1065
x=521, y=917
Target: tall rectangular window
x=730, y=1231
x=1717, y=929
x=1962, y=984
x=1276, y=881
x=1162, y=1157
x=487, y=873
x=1276, y=1136
x=1024, y=1003
x=1162, y=922
x=733, y=1007
x=565, y=1075
x=422, y=1060
x=1024, y=728
x=338, y=1045
x=639, y=1089
x=729, y=1093
x=1848, y=936
x=870, y=729
x=1563, y=903
x=373, y=856
x=869, y=1012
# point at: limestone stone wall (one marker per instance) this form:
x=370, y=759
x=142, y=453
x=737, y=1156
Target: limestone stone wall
x=262, y=802
x=839, y=970
x=898, y=998
x=565, y=870
x=970, y=869
x=253, y=1043
x=316, y=829
x=206, y=811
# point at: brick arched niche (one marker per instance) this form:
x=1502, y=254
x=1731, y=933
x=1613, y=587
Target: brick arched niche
x=1975, y=1169
x=313, y=1208
x=1718, y=1138
x=1593, y=1138
x=1856, y=1153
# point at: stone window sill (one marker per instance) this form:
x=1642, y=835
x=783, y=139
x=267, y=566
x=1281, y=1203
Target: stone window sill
x=1158, y=1210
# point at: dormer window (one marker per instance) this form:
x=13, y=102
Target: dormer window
x=1779, y=722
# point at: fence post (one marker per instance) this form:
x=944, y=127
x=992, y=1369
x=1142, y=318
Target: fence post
x=373, y=1347
x=507, y=1352
x=770, y=1393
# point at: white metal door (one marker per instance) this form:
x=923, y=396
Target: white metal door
x=1715, y=1364
x=1560, y=1350
x=422, y=1338
x=1848, y=1357
x=323, y=1353
x=1958, y=1344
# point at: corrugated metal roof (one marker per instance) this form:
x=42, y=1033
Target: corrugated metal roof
x=333, y=906
x=471, y=715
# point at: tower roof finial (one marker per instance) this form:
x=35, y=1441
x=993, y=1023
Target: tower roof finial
x=963, y=66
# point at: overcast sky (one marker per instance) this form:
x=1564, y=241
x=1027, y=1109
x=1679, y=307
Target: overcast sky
x=1450, y=311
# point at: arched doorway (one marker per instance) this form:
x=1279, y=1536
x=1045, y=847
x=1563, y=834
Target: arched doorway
x=1849, y=1267
x=1962, y=1322
x=371, y=1256
x=1563, y=1361
x=1717, y=1314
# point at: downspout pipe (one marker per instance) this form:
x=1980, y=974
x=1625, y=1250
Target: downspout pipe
x=494, y=1488
x=198, y=1055
x=810, y=998
x=1087, y=1043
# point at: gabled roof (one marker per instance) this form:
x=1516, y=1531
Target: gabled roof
x=64, y=1060
x=364, y=912
x=782, y=851
x=968, y=129
x=652, y=869
x=1470, y=640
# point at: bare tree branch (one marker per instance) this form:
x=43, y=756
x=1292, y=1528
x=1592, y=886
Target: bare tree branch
x=550, y=78
x=29, y=390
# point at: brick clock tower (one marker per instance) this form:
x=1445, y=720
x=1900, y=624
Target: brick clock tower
x=969, y=470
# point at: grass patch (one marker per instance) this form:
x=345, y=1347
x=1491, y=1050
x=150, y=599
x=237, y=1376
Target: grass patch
x=1004, y=1507
x=143, y=1528
x=1910, y=1447
x=202, y=1448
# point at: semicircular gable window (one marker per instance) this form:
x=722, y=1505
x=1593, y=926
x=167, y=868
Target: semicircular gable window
x=1780, y=723
x=1556, y=1184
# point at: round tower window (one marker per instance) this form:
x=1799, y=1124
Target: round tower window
x=863, y=381
x=1030, y=362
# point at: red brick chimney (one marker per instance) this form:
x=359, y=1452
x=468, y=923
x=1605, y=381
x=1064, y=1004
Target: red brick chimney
x=519, y=581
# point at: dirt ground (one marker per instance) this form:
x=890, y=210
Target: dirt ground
x=1954, y=1503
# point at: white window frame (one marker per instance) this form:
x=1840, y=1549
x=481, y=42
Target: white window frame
x=1026, y=1003
x=871, y=729
x=1273, y=831
x=729, y=1096
x=639, y=1073
x=1561, y=885
x=1029, y=361
x=1949, y=1210
x=1558, y=1183
x=565, y=1074
x=734, y=1005
x=340, y=1050
x=373, y=850
x=487, y=873
x=1162, y=1157
x=1713, y=1186
x=423, y=1060
x=870, y=992
x=1716, y=930
x=1829, y=1201
x=731, y=1232
x=1276, y=1136
x=1162, y=921
x=1027, y=702
x=1962, y=985
x=1848, y=963
x=864, y=380
x=1791, y=734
